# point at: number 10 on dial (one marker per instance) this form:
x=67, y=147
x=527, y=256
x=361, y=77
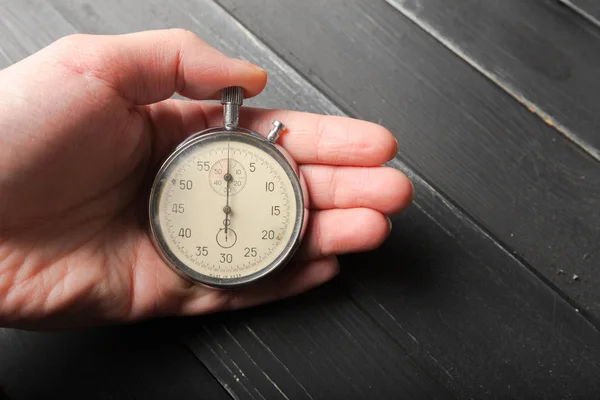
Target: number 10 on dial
x=226, y=207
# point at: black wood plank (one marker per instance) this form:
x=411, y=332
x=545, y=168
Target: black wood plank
x=519, y=178
x=589, y=9
x=386, y=370
x=474, y=315
x=136, y=362
x=26, y=27
x=539, y=51
x=329, y=344
x=461, y=307
x=317, y=346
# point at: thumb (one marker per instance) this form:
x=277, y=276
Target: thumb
x=147, y=67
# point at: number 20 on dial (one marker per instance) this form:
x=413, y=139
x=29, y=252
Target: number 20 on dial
x=226, y=207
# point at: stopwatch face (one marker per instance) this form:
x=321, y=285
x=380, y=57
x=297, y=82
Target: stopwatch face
x=226, y=209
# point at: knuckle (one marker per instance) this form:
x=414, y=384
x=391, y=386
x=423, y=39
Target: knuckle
x=81, y=54
x=335, y=187
x=71, y=39
x=68, y=45
x=68, y=49
x=185, y=35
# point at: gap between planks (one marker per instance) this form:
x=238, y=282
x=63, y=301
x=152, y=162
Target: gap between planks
x=581, y=12
x=512, y=91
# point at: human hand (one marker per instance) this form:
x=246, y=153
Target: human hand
x=84, y=124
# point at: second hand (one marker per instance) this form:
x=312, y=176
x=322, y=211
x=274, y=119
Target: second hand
x=227, y=178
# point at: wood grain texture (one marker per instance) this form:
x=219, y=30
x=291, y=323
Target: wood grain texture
x=522, y=180
x=24, y=32
x=589, y=9
x=539, y=51
x=491, y=328
x=111, y=363
x=318, y=346
x=440, y=311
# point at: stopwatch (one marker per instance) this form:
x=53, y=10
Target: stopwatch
x=226, y=207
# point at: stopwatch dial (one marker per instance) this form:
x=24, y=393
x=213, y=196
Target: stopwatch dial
x=220, y=236
x=217, y=176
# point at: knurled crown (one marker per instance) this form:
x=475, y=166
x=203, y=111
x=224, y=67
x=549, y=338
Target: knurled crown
x=232, y=95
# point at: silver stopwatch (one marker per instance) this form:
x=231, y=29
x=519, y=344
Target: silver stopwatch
x=227, y=207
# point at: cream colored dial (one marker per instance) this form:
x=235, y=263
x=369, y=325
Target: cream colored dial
x=226, y=236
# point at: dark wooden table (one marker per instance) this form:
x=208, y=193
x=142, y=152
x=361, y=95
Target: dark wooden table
x=489, y=285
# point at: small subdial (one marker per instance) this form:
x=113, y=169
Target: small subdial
x=218, y=177
x=226, y=238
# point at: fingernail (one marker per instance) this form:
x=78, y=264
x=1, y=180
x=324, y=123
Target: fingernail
x=249, y=64
x=337, y=267
x=337, y=272
x=389, y=225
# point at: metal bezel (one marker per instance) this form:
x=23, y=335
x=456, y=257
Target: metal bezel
x=221, y=133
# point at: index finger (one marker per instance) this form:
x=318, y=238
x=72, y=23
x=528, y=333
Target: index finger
x=309, y=138
x=325, y=139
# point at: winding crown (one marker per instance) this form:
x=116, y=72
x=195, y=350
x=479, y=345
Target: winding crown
x=232, y=95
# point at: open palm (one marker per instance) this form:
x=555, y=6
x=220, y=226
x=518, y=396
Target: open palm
x=84, y=124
